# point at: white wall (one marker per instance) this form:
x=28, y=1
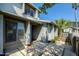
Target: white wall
x=55, y=31
x=38, y=33
x=28, y=33
x=42, y=34
x=69, y=30
x=50, y=32
x=16, y=8
x=36, y=14
x=1, y=34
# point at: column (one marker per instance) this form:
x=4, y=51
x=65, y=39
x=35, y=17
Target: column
x=28, y=33
x=36, y=14
x=1, y=34
x=53, y=31
x=45, y=33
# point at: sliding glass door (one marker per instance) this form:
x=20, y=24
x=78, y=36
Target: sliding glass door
x=15, y=36
x=11, y=28
x=21, y=31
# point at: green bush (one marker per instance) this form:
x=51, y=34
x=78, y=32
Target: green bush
x=55, y=39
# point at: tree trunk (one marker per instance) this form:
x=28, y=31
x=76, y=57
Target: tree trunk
x=61, y=35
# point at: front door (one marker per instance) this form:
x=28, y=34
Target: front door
x=11, y=32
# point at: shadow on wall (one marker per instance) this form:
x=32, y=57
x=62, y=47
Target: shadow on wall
x=36, y=32
x=42, y=33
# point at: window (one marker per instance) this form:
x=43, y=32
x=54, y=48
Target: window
x=29, y=11
x=32, y=12
x=21, y=31
x=11, y=29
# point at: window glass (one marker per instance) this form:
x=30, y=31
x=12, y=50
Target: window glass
x=29, y=11
x=11, y=28
x=21, y=30
x=32, y=12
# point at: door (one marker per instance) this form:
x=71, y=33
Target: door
x=21, y=38
x=15, y=38
x=11, y=32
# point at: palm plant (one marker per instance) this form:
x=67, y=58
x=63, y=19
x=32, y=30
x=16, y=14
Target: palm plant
x=62, y=24
x=46, y=6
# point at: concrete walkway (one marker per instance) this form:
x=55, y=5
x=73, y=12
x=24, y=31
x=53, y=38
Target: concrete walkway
x=43, y=49
x=68, y=51
x=16, y=52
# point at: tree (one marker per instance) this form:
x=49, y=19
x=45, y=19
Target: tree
x=62, y=24
x=46, y=6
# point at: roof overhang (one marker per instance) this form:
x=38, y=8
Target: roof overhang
x=33, y=6
x=23, y=18
x=44, y=21
x=48, y=22
x=26, y=18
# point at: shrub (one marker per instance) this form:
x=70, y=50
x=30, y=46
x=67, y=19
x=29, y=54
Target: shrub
x=55, y=39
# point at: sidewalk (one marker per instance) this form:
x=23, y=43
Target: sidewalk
x=68, y=51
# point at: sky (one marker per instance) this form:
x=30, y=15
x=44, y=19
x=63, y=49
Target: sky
x=59, y=11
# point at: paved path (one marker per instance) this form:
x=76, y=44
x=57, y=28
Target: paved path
x=68, y=51
x=15, y=52
x=45, y=49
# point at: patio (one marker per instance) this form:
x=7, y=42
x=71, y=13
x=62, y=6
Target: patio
x=39, y=48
